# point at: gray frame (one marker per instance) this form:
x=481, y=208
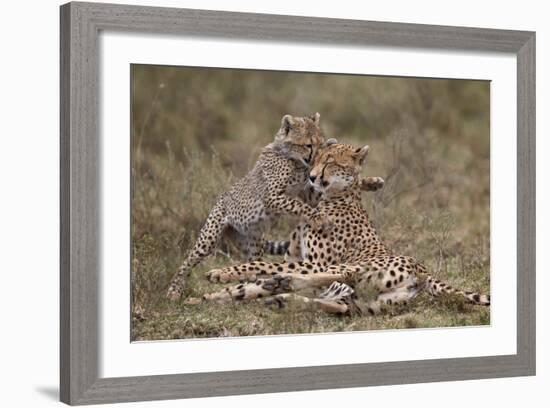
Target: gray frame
x=80, y=234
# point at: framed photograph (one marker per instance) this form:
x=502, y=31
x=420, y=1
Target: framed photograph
x=261, y=203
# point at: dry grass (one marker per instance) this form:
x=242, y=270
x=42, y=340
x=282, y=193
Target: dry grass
x=197, y=130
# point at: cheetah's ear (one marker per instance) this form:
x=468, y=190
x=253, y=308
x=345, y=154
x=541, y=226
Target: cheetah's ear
x=361, y=154
x=286, y=124
x=330, y=142
x=316, y=118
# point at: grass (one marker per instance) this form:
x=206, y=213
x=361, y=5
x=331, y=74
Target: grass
x=195, y=131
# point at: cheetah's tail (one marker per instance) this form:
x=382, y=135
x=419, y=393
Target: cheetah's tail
x=276, y=247
x=436, y=288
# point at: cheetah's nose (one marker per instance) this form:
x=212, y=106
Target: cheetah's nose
x=312, y=179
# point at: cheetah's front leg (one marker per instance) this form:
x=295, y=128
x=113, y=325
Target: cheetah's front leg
x=302, y=270
x=283, y=204
x=244, y=272
x=294, y=251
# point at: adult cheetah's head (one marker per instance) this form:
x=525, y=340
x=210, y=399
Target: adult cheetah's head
x=300, y=137
x=337, y=168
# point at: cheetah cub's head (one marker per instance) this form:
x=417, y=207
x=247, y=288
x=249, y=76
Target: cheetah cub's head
x=337, y=168
x=299, y=138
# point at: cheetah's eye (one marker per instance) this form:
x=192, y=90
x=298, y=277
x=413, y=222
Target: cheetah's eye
x=309, y=146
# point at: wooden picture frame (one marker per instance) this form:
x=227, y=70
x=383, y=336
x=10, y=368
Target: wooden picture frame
x=81, y=24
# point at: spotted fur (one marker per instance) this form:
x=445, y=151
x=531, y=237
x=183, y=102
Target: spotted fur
x=349, y=259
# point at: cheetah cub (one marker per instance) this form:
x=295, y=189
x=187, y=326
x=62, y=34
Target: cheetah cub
x=277, y=184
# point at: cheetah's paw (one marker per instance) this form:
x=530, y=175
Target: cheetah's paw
x=219, y=276
x=214, y=275
x=173, y=294
x=372, y=183
x=192, y=301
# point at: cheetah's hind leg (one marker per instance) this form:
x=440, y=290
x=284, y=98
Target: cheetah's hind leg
x=398, y=296
x=338, y=298
x=247, y=291
x=281, y=301
x=207, y=242
x=274, y=285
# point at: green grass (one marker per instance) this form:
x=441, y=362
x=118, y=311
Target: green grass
x=202, y=129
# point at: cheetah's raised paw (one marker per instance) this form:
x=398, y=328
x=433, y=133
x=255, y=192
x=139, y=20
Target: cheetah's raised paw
x=372, y=183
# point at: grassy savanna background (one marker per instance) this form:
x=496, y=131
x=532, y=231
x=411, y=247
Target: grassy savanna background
x=197, y=130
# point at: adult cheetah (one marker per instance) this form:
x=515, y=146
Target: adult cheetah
x=361, y=274
x=276, y=185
